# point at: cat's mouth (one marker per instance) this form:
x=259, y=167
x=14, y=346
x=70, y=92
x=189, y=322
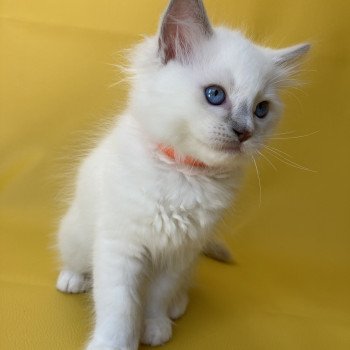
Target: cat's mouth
x=232, y=148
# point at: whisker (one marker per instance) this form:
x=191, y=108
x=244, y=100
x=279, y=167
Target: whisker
x=258, y=175
x=121, y=81
x=296, y=98
x=298, y=89
x=288, y=161
x=279, y=151
x=268, y=160
x=295, y=137
x=284, y=133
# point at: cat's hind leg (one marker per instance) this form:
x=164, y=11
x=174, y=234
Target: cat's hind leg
x=75, y=245
x=218, y=250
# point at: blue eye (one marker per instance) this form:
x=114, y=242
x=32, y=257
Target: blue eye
x=215, y=95
x=262, y=109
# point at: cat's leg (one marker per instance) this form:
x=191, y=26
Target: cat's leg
x=166, y=299
x=218, y=250
x=69, y=281
x=74, y=244
x=178, y=304
x=119, y=270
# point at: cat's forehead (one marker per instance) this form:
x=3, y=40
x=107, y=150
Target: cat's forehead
x=232, y=59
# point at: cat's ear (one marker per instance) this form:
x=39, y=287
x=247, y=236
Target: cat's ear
x=291, y=55
x=184, y=24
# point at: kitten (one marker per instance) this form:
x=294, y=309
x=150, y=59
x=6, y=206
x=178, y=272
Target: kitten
x=203, y=100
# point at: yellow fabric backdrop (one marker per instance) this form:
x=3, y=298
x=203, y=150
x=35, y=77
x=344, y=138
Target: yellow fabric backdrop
x=290, y=288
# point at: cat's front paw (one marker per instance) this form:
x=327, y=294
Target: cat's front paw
x=178, y=306
x=98, y=346
x=157, y=331
x=72, y=282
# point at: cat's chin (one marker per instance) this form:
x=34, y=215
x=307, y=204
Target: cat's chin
x=223, y=157
x=230, y=149
x=214, y=154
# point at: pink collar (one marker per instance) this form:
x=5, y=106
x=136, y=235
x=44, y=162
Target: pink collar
x=187, y=160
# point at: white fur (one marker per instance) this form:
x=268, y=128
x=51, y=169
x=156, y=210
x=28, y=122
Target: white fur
x=138, y=220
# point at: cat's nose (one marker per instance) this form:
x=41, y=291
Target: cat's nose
x=243, y=134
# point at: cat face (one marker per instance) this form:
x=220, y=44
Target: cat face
x=208, y=93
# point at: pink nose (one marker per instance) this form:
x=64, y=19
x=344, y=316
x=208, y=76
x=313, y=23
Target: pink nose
x=243, y=135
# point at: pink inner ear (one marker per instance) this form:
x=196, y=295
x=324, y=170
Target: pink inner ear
x=184, y=23
x=173, y=40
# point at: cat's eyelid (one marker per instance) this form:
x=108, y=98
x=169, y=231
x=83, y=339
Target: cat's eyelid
x=216, y=85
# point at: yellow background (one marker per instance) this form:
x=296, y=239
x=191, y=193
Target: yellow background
x=290, y=288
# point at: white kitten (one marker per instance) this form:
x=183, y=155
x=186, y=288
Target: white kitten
x=202, y=102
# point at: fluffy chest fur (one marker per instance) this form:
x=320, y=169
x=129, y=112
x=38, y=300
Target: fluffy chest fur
x=185, y=208
x=165, y=207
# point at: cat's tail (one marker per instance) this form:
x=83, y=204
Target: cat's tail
x=218, y=250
